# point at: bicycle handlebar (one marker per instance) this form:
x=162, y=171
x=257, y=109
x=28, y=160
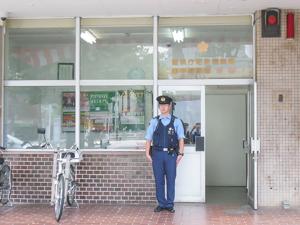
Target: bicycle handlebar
x=68, y=150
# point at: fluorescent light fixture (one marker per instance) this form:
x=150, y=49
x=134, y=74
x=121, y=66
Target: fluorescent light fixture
x=178, y=35
x=88, y=37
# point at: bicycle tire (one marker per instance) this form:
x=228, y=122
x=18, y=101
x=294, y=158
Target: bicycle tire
x=6, y=183
x=59, y=197
x=71, y=187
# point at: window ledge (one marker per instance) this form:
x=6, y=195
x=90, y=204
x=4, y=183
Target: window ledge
x=84, y=151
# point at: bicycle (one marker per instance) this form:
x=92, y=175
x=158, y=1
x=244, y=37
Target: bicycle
x=44, y=145
x=65, y=184
x=5, y=180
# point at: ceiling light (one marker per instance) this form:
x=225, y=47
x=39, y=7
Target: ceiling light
x=88, y=37
x=178, y=35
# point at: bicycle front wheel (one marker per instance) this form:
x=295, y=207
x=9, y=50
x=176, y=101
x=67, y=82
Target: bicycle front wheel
x=5, y=180
x=71, y=186
x=59, y=197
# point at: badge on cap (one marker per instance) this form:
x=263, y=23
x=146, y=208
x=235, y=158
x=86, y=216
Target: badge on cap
x=163, y=99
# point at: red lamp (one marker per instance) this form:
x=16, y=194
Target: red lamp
x=272, y=20
x=270, y=23
x=290, y=25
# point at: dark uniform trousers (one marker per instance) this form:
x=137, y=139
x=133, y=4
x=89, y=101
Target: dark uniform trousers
x=164, y=166
x=164, y=163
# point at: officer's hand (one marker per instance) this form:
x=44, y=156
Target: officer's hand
x=179, y=157
x=149, y=157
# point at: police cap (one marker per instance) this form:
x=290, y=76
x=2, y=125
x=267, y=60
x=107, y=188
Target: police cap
x=163, y=99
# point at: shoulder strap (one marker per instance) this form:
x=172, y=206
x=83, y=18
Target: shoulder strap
x=173, y=119
x=158, y=120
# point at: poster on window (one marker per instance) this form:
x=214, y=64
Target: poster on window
x=96, y=111
x=100, y=101
x=68, y=124
x=132, y=109
x=68, y=111
x=68, y=101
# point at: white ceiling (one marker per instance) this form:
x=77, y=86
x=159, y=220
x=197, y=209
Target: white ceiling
x=113, y=8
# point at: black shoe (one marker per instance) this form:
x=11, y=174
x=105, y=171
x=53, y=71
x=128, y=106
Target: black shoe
x=171, y=209
x=158, y=209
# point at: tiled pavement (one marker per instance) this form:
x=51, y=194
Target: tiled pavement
x=186, y=214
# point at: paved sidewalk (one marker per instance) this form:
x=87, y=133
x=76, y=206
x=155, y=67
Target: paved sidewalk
x=186, y=214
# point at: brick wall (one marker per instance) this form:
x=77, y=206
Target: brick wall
x=108, y=178
x=278, y=73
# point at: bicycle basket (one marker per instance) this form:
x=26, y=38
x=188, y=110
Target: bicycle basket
x=64, y=154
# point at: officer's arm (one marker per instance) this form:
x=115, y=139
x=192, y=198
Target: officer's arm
x=180, y=134
x=181, y=145
x=179, y=129
x=148, y=137
x=148, y=144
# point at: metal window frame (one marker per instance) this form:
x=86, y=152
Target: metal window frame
x=78, y=83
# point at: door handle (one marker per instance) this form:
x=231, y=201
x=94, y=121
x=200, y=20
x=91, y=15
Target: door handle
x=245, y=143
x=199, y=140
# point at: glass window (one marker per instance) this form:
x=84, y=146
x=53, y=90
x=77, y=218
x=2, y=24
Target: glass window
x=1, y=35
x=188, y=108
x=30, y=108
x=40, y=53
x=197, y=52
x=114, y=117
x=116, y=53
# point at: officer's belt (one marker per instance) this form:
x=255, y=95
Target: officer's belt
x=163, y=149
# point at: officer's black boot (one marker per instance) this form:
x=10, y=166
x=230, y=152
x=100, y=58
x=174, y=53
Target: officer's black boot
x=171, y=209
x=158, y=209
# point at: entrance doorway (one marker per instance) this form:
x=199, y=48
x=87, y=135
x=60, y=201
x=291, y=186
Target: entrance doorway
x=226, y=159
x=221, y=143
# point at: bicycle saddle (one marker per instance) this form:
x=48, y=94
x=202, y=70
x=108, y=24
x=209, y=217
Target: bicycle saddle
x=1, y=160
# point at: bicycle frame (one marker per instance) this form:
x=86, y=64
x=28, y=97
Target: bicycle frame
x=61, y=190
x=61, y=165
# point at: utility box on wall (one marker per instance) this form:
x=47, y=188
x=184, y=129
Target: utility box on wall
x=270, y=23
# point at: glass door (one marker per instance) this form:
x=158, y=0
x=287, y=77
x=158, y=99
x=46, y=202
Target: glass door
x=190, y=108
x=254, y=147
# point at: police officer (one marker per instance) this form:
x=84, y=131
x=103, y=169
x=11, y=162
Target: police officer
x=166, y=134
